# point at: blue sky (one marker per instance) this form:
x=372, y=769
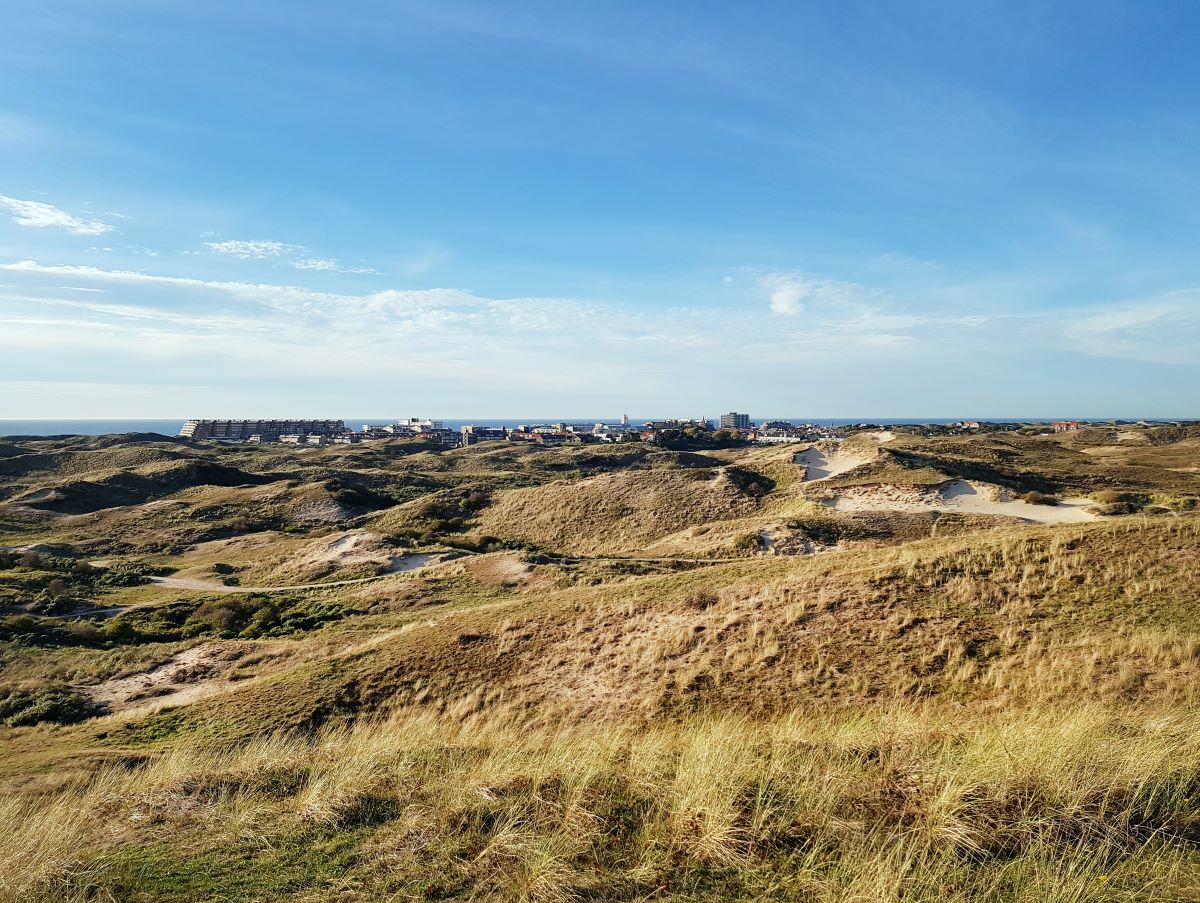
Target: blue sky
x=451, y=209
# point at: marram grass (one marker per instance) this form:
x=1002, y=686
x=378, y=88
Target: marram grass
x=911, y=803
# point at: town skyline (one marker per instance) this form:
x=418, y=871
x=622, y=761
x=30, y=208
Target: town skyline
x=170, y=426
x=729, y=429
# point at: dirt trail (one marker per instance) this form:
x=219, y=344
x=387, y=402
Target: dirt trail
x=960, y=495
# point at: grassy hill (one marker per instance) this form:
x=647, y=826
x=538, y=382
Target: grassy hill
x=596, y=687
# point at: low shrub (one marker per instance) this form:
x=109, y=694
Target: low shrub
x=21, y=708
x=747, y=542
x=1115, y=502
x=1039, y=498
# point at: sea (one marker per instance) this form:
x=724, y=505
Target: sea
x=171, y=427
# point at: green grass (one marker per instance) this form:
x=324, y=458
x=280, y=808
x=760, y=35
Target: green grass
x=250, y=871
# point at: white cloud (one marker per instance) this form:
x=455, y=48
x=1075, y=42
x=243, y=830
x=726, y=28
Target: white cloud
x=787, y=294
x=328, y=265
x=41, y=216
x=257, y=250
x=296, y=255
x=314, y=263
x=305, y=344
x=791, y=293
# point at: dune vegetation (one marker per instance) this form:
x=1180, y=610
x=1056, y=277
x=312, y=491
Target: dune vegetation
x=599, y=673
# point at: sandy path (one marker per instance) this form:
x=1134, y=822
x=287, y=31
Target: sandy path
x=963, y=496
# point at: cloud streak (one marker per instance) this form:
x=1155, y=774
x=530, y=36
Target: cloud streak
x=253, y=250
x=38, y=215
x=836, y=316
x=844, y=341
x=298, y=256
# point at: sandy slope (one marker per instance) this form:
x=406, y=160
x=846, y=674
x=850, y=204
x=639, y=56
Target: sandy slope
x=165, y=683
x=959, y=495
x=820, y=464
x=399, y=564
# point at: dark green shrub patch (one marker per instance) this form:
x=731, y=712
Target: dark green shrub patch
x=20, y=708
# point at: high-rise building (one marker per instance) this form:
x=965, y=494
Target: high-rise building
x=735, y=421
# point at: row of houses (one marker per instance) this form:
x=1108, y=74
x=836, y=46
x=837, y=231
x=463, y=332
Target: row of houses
x=315, y=432
x=335, y=432
x=550, y=433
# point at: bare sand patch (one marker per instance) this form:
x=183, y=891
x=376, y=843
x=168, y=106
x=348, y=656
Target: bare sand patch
x=959, y=495
x=397, y=565
x=821, y=463
x=343, y=550
x=176, y=680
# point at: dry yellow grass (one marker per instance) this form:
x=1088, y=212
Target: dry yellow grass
x=903, y=803
x=618, y=513
x=1004, y=715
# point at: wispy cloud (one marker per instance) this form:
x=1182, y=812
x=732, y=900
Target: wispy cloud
x=39, y=215
x=316, y=263
x=314, y=340
x=328, y=265
x=253, y=250
x=297, y=256
x=1160, y=330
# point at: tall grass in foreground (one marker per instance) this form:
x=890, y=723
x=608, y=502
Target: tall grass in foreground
x=909, y=804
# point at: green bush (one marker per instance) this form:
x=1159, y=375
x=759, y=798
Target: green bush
x=747, y=542
x=351, y=495
x=20, y=708
x=120, y=577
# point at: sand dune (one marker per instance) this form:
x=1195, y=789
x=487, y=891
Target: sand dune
x=398, y=564
x=820, y=464
x=959, y=495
